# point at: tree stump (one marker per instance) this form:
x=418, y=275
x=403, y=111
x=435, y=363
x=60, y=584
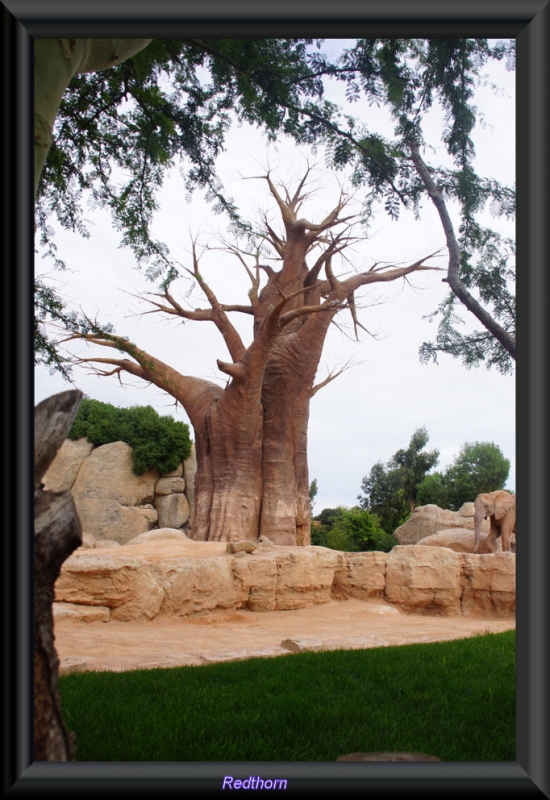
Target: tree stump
x=57, y=533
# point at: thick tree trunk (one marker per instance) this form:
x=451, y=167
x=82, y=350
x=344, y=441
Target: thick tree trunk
x=228, y=482
x=56, y=534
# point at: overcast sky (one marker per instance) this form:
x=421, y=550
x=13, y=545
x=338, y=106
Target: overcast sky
x=374, y=407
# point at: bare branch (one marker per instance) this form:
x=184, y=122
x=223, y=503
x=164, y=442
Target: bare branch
x=331, y=377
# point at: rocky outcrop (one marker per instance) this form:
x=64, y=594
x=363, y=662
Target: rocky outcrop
x=430, y=519
x=112, y=502
x=461, y=540
x=165, y=573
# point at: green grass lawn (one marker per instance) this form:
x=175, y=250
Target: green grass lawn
x=454, y=700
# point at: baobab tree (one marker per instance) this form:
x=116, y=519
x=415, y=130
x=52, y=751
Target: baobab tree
x=251, y=435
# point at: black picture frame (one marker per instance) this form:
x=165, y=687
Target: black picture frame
x=526, y=20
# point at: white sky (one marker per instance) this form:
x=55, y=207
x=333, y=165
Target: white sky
x=372, y=409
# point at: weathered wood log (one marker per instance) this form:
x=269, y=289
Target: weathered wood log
x=388, y=757
x=57, y=533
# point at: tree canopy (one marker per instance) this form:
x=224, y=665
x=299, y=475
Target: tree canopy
x=119, y=131
x=390, y=490
x=479, y=467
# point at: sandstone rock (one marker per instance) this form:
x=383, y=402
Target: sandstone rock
x=170, y=485
x=63, y=470
x=424, y=579
x=429, y=519
x=243, y=546
x=80, y=612
x=197, y=585
x=88, y=541
x=361, y=575
x=461, y=540
x=164, y=572
x=172, y=510
x=159, y=533
x=488, y=583
x=110, y=500
x=124, y=584
x=103, y=543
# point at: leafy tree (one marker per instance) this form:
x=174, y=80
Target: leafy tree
x=158, y=442
x=410, y=77
x=390, y=491
x=479, y=467
x=118, y=131
x=110, y=136
x=251, y=436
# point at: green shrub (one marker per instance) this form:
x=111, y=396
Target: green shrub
x=158, y=442
x=351, y=530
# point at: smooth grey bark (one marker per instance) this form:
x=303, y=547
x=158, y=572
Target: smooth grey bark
x=56, y=62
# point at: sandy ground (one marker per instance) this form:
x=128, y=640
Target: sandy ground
x=223, y=636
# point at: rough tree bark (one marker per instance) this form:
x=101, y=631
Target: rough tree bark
x=251, y=436
x=57, y=533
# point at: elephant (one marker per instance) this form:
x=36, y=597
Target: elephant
x=500, y=507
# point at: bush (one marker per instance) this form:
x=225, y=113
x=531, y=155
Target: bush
x=351, y=530
x=158, y=442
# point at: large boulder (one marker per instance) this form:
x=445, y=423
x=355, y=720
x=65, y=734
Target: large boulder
x=425, y=579
x=360, y=575
x=461, y=540
x=488, y=584
x=112, y=502
x=430, y=519
x=172, y=509
x=63, y=470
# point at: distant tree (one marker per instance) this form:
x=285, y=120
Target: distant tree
x=390, y=490
x=479, y=467
x=157, y=442
x=313, y=491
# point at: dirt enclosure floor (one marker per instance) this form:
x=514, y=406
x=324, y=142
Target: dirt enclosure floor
x=224, y=636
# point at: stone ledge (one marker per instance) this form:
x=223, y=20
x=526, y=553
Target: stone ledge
x=178, y=577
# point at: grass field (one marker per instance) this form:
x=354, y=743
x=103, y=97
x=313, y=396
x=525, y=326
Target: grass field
x=454, y=700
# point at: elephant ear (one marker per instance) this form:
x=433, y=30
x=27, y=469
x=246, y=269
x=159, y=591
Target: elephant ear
x=503, y=504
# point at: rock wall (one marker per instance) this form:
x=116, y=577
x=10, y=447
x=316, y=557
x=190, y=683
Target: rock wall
x=112, y=502
x=165, y=573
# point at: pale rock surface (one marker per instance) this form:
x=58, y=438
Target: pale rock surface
x=170, y=485
x=112, y=578
x=159, y=533
x=461, y=540
x=425, y=579
x=166, y=574
x=109, y=497
x=361, y=575
x=429, y=519
x=488, y=584
x=172, y=509
x=63, y=470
